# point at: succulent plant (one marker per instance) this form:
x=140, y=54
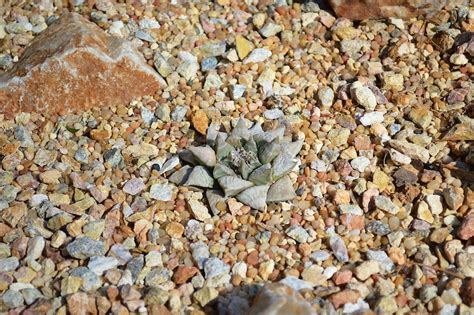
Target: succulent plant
x=251, y=165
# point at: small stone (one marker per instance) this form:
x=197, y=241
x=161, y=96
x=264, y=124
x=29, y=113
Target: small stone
x=428, y=292
x=350, y=209
x=199, y=210
x=386, y=305
x=200, y=122
x=424, y=213
x=156, y=295
x=184, y=273
x=257, y=55
x=458, y=59
x=134, y=186
x=270, y=29
x=297, y=233
x=339, y=136
x=99, y=265
x=90, y=280
x=435, y=203
x=12, y=299
x=314, y=275
x=208, y=64
x=85, y=247
x=147, y=115
x=378, y=228
x=342, y=277
x=393, y=81
x=421, y=116
x=113, y=156
x=454, y=197
x=404, y=176
x=372, y=118
x=385, y=263
x=380, y=179
x=31, y=295
x=344, y=297
x=142, y=149
x=162, y=112
x=385, y=204
x=466, y=230
x=360, y=163
x=412, y=150
x=200, y=253
x=339, y=248
x=216, y=272
x=244, y=47
x=326, y=96
x=70, y=285
x=363, y=96
x=9, y=264
x=366, y=269
x=162, y=192
x=35, y=247
x=205, y=295
x=175, y=229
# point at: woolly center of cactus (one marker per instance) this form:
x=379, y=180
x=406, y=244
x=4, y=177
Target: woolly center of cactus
x=240, y=156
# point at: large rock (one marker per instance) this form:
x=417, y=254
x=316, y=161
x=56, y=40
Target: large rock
x=367, y=9
x=75, y=65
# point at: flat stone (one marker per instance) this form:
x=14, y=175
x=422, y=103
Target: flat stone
x=297, y=233
x=9, y=264
x=412, y=150
x=85, y=247
x=162, y=192
x=366, y=269
x=79, y=67
x=134, y=186
x=385, y=204
x=199, y=210
x=99, y=265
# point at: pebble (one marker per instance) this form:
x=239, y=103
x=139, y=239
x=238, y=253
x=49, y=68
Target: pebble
x=372, y=118
x=385, y=204
x=366, y=269
x=326, y=96
x=85, y=247
x=258, y=55
x=339, y=248
x=363, y=96
x=162, y=192
x=297, y=233
x=134, y=186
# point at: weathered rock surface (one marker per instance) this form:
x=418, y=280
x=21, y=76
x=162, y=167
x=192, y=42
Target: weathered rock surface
x=75, y=65
x=369, y=9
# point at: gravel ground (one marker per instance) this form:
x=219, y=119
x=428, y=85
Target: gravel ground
x=383, y=216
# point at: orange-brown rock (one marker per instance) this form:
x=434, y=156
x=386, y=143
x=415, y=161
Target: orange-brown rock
x=367, y=9
x=279, y=299
x=74, y=65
